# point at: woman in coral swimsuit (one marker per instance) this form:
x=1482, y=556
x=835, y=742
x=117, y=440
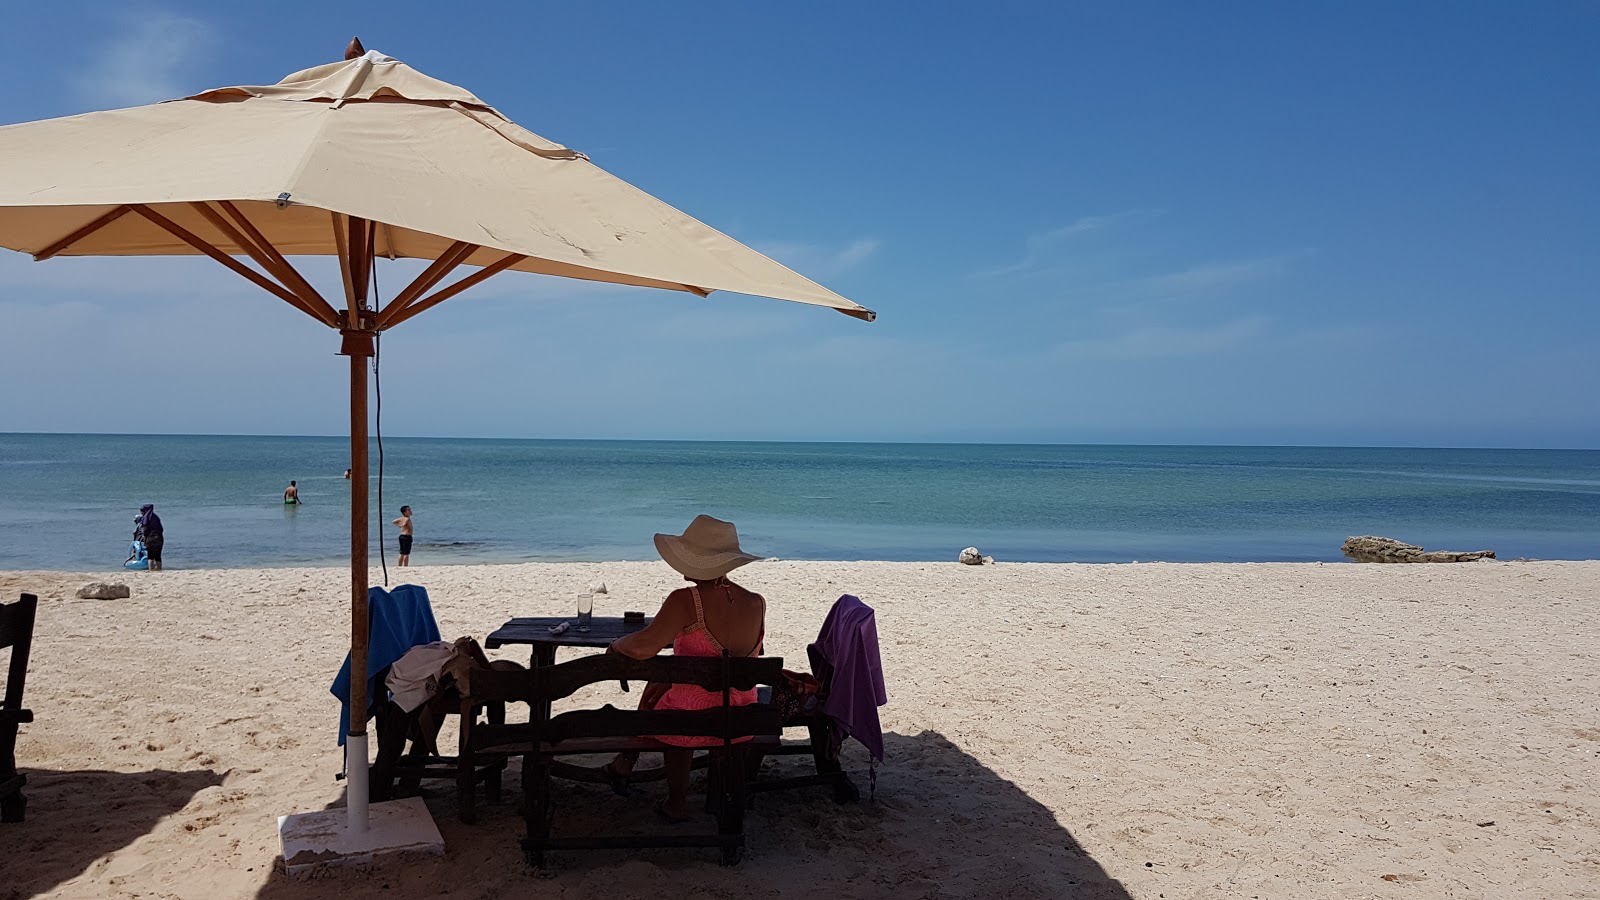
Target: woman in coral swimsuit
x=710, y=615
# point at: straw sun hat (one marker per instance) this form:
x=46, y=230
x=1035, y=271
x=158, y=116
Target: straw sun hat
x=707, y=549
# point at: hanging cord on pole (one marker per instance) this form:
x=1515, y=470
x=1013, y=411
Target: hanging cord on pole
x=377, y=391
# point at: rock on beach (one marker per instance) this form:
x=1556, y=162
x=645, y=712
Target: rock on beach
x=1370, y=548
x=972, y=557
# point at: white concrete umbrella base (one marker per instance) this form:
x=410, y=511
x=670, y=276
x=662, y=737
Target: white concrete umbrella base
x=325, y=838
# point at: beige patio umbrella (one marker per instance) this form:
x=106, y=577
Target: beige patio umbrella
x=357, y=159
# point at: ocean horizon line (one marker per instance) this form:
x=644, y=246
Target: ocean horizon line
x=818, y=441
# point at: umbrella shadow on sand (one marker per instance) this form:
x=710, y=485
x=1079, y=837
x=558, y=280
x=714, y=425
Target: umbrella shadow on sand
x=63, y=837
x=943, y=826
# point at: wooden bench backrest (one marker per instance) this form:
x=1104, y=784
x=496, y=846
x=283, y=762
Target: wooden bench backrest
x=549, y=683
x=16, y=632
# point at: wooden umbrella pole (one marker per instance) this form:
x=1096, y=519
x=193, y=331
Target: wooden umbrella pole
x=357, y=334
x=356, y=740
x=358, y=346
x=360, y=531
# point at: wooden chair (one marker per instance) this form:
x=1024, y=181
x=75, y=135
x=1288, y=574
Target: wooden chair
x=408, y=752
x=16, y=632
x=408, y=742
x=610, y=730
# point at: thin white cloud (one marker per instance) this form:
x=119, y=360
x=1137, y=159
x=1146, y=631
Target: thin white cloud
x=731, y=323
x=145, y=59
x=855, y=254
x=1163, y=342
x=119, y=276
x=1147, y=297
x=29, y=325
x=1210, y=277
x=1042, y=248
x=821, y=263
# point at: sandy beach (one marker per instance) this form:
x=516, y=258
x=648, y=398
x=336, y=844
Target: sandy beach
x=1095, y=731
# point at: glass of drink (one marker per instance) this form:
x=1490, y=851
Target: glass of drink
x=585, y=610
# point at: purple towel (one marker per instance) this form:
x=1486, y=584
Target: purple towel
x=845, y=657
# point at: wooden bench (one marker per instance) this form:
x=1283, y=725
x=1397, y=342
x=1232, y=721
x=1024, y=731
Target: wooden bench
x=819, y=745
x=16, y=632
x=823, y=734
x=542, y=740
x=408, y=751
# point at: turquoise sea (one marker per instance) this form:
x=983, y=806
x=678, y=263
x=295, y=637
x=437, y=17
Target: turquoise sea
x=67, y=501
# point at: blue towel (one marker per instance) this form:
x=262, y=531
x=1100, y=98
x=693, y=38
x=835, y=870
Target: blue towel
x=396, y=621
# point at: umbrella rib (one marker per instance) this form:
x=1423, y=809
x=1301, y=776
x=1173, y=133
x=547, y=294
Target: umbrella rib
x=343, y=247
x=388, y=240
x=190, y=238
x=472, y=280
x=310, y=304
x=310, y=293
x=436, y=271
x=82, y=233
x=360, y=258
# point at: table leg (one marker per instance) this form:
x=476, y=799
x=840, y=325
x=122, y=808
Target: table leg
x=543, y=655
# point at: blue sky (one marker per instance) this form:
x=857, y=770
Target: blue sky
x=1238, y=223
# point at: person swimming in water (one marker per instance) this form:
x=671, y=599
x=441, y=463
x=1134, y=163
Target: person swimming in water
x=291, y=494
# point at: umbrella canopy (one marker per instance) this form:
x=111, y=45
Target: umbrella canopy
x=369, y=138
x=358, y=159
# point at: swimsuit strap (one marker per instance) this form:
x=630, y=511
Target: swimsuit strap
x=699, y=612
x=700, y=620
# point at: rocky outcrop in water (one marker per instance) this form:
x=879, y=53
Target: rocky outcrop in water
x=1368, y=548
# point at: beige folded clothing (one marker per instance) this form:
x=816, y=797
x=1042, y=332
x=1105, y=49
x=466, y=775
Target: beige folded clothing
x=415, y=677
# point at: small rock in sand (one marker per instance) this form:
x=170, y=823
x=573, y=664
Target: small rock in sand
x=99, y=590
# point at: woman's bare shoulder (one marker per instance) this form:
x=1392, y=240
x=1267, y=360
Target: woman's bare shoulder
x=678, y=603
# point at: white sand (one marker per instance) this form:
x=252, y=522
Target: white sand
x=1159, y=730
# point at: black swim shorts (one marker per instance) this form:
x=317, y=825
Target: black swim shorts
x=405, y=545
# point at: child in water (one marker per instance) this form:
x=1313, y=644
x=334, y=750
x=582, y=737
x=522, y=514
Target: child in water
x=405, y=535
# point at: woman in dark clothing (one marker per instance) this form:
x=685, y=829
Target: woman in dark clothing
x=147, y=528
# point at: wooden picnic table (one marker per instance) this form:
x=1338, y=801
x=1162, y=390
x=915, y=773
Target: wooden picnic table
x=535, y=631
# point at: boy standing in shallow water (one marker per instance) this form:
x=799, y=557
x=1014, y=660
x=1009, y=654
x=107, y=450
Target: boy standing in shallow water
x=405, y=535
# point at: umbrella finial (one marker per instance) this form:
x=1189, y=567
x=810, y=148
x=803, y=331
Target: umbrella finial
x=354, y=49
